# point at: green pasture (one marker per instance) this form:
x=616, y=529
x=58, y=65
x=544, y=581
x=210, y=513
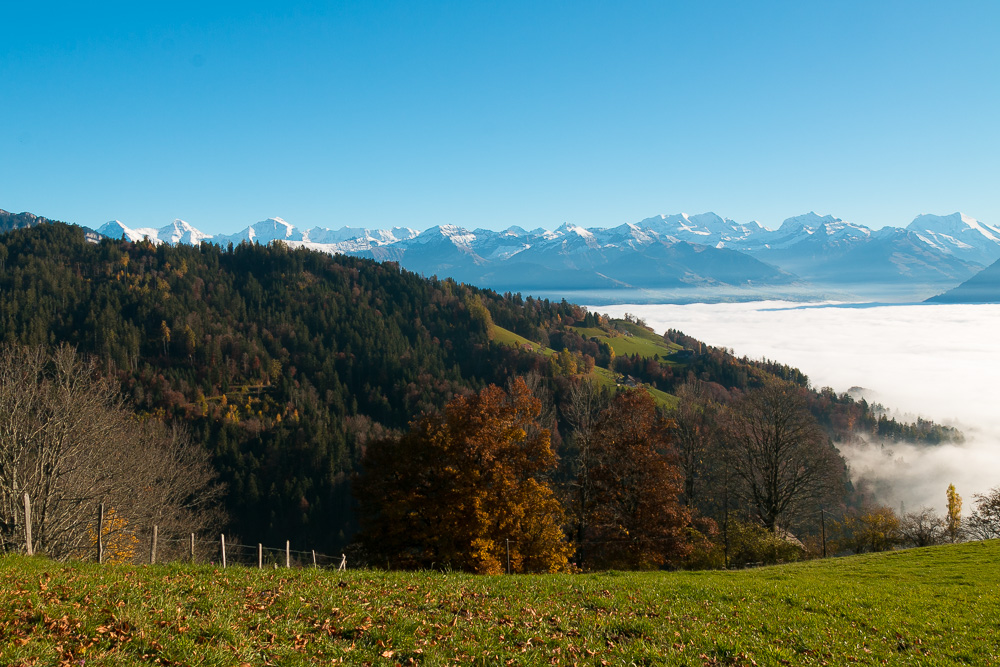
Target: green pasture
x=642, y=342
x=931, y=606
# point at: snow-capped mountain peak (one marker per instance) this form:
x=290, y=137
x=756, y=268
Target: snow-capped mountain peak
x=273, y=229
x=116, y=229
x=458, y=236
x=567, y=228
x=956, y=223
x=809, y=221
x=957, y=233
x=265, y=231
x=180, y=231
x=707, y=220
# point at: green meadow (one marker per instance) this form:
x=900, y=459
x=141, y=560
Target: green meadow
x=642, y=341
x=931, y=606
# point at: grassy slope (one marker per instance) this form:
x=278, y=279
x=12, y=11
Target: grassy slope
x=603, y=376
x=934, y=606
x=643, y=342
x=507, y=337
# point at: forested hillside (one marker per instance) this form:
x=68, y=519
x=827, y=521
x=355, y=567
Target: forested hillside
x=284, y=363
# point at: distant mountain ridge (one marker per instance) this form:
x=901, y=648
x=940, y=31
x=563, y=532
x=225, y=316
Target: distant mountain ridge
x=678, y=251
x=984, y=287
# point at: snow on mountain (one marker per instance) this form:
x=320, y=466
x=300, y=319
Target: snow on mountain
x=116, y=229
x=457, y=236
x=959, y=235
x=353, y=239
x=265, y=231
x=176, y=232
x=373, y=236
x=956, y=223
x=651, y=253
x=703, y=228
x=629, y=234
x=505, y=252
x=808, y=221
x=838, y=232
x=792, y=231
x=567, y=228
x=180, y=231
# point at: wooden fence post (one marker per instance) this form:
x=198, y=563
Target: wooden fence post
x=822, y=523
x=288, y=553
x=152, y=547
x=223, y=551
x=27, y=525
x=260, y=556
x=100, y=534
x=314, y=557
x=192, y=547
x=343, y=563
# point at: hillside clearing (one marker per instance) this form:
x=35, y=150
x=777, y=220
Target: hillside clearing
x=634, y=339
x=507, y=337
x=603, y=376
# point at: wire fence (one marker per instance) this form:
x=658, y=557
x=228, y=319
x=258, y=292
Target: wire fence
x=114, y=544
x=226, y=553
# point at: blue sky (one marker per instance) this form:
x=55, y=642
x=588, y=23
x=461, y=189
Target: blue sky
x=488, y=114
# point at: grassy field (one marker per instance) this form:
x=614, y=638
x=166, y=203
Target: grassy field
x=603, y=376
x=507, y=337
x=934, y=606
x=643, y=342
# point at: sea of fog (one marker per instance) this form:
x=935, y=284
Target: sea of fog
x=939, y=362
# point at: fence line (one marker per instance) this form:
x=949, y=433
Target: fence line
x=230, y=551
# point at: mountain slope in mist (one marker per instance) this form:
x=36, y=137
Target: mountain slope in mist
x=984, y=287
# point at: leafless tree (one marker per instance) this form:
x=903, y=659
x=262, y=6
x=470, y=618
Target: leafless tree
x=783, y=461
x=582, y=410
x=923, y=528
x=695, y=435
x=69, y=442
x=984, y=523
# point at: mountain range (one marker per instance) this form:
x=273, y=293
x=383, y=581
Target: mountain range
x=665, y=257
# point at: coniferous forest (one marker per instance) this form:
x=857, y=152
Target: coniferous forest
x=286, y=364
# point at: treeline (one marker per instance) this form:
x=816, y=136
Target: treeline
x=479, y=487
x=284, y=364
x=874, y=527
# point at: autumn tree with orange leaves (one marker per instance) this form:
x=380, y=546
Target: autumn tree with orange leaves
x=636, y=519
x=460, y=488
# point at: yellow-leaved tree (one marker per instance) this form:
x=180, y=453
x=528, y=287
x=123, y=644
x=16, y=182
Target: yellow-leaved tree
x=954, y=518
x=119, y=541
x=461, y=488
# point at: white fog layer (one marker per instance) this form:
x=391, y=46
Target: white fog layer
x=941, y=362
